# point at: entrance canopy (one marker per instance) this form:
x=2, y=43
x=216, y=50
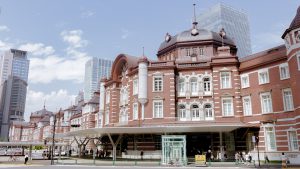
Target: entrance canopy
x=20, y=143
x=163, y=129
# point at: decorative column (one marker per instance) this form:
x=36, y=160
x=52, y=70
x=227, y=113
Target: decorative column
x=101, y=102
x=143, y=76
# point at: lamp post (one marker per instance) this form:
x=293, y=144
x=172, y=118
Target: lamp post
x=53, y=142
x=256, y=141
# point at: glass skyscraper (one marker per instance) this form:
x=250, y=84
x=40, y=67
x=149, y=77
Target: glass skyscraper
x=95, y=69
x=14, y=67
x=234, y=21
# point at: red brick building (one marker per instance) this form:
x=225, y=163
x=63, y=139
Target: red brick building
x=197, y=80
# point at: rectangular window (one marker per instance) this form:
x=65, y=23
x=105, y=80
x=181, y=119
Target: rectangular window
x=288, y=99
x=266, y=102
x=270, y=138
x=245, y=81
x=135, y=111
x=247, y=106
x=135, y=87
x=188, y=52
x=263, y=76
x=225, y=80
x=157, y=83
x=293, y=141
x=201, y=52
x=227, y=106
x=158, y=109
x=284, y=71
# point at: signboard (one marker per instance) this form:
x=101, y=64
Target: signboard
x=200, y=159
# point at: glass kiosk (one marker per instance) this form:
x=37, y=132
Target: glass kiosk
x=174, y=150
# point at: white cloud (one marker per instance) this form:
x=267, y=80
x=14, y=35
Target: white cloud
x=48, y=69
x=4, y=28
x=125, y=33
x=5, y=45
x=53, y=67
x=37, y=49
x=87, y=14
x=73, y=38
x=54, y=100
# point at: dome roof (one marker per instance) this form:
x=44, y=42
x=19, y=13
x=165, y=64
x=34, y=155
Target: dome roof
x=42, y=112
x=202, y=35
x=294, y=24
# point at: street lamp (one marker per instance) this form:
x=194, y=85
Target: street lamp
x=53, y=142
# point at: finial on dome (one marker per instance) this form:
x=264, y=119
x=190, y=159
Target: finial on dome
x=44, y=104
x=222, y=33
x=194, y=31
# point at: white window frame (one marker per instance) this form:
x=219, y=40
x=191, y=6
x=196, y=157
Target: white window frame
x=267, y=138
x=195, y=112
x=260, y=79
x=210, y=111
x=158, y=89
x=194, y=93
x=263, y=108
x=223, y=83
x=247, y=110
x=207, y=84
x=158, y=114
x=135, y=111
x=245, y=85
x=181, y=112
x=292, y=143
x=286, y=98
x=201, y=51
x=135, y=85
x=286, y=67
x=181, y=87
x=228, y=114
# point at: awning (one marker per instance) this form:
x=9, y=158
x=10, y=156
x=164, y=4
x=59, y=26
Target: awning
x=20, y=143
x=163, y=129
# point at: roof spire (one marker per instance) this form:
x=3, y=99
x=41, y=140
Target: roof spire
x=143, y=51
x=195, y=20
x=194, y=31
x=44, y=104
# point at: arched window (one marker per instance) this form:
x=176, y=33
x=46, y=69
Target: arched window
x=181, y=86
x=208, y=111
x=195, y=112
x=182, y=112
x=194, y=86
x=206, y=84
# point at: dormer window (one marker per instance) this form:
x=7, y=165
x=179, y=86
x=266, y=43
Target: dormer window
x=297, y=36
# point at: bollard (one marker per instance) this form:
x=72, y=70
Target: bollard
x=135, y=162
x=113, y=162
x=75, y=161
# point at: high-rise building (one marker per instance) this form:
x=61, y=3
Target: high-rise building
x=95, y=69
x=14, y=67
x=234, y=21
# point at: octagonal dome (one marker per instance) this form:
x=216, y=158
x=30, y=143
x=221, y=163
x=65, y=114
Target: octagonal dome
x=203, y=35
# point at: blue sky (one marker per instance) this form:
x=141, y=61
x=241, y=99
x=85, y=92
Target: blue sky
x=62, y=34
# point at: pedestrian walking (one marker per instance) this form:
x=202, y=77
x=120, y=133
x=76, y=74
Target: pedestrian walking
x=142, y=154
x=284, y=160
x=26, y=159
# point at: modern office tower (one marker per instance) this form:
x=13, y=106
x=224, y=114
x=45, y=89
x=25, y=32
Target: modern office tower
x=95, y=69
x=14, y=67
x=234, y=21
